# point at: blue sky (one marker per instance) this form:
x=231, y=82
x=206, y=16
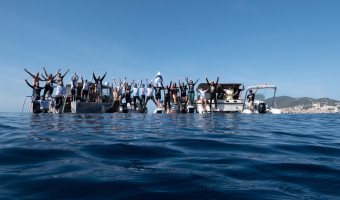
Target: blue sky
x=292, y=44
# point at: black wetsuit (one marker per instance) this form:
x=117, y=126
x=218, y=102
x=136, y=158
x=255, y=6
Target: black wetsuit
x=128, y=94
x=36, y=90
x=167, y=94
x=99, y=81
x=220, y=93
x=212, y=90
x=237, y=93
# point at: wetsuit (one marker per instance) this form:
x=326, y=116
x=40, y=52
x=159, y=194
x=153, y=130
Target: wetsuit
x=191, y=91
x=237, y=93
x=167, y=92
x=128, y=94
x=74, y=87
x=212, y=90
x=99, y=83
x=220, y=93
x=36, y=90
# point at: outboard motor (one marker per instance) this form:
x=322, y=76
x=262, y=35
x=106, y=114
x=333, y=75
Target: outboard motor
x=262, y=108
x=191, y=109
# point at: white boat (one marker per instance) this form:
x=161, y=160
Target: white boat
x=260, y=105
x=228, y=106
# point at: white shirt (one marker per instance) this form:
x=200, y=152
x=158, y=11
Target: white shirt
x=149, y=91
x=202, y=93
x=142, y=91
x=61, y=90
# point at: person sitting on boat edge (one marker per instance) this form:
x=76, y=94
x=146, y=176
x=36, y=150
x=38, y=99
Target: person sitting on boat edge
x=237, y=92
x=191, y=90
x=44, y=104
x=149, y=91
x=220, y=92
x=230, y=94
x=202, y=98
x=251, y=98
x=99, y=83
x=167, y=96
x=212, y=90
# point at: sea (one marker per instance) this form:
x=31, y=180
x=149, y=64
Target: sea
x=169, y=156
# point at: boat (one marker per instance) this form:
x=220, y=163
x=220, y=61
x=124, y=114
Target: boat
x=260, y=105
x=88, y=106
x=228, y=106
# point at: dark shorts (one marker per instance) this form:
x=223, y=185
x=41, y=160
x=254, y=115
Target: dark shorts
x=158, y=96
x=150, y=97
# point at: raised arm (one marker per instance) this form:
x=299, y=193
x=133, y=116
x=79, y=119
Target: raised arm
x=94, y=76
x=179, y=82
x=218, y=78
x=55, y=75
x=206, y=78
x=186, y=78
x=45, y=71
x=256, y=89
x=103, y=77
x=66, y=73
x=45, y=79
x=28, y=84
x=197, y=80
x=29, y=73
x=170, y=83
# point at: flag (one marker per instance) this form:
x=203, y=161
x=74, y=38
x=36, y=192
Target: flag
x=158, y=78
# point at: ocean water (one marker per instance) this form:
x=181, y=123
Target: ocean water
x=183, y=156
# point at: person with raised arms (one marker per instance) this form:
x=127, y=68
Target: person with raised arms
x=36, y=78
x=49, y=81
x=135, y=94
x=127, y=89
x=120, y=88
x=174, y=92
x=36, y=89
x=203, y=98
x=149, y=91
x=142, y=93
x=191, y=91
x=212, y=89
x=85, y=92
x=158, y=94
x=183, y=89
x=61, y=77
x=74, y=81
x=167, y=97
x=251, y=98
x=99, y=83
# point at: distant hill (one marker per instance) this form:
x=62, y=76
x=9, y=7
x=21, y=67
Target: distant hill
x=305, y=102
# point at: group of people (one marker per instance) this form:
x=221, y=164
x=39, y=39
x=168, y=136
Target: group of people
x=83, y=90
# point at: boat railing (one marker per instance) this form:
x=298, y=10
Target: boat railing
x=23, y=106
